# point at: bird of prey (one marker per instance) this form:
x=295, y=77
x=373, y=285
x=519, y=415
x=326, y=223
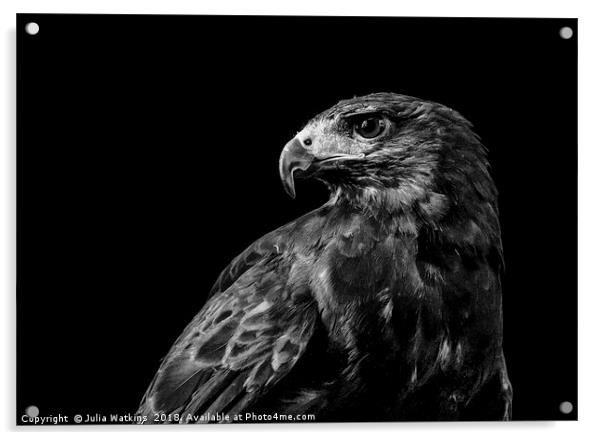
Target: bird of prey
x=384, y=304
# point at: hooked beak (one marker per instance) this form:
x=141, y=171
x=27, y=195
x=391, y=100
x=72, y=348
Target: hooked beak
x=296, y=157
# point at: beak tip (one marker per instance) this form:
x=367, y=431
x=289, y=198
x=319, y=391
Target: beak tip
x=289, y=188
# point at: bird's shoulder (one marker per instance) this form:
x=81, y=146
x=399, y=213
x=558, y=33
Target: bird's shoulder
x=287, y=243
x=249, y=334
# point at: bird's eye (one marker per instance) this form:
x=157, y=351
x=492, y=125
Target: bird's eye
x=370, y=127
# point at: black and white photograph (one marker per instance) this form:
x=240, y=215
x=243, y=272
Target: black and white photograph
x=295, y=219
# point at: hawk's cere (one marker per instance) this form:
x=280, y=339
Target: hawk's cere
x=383, y=304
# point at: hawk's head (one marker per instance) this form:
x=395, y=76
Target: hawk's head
x=390, y=149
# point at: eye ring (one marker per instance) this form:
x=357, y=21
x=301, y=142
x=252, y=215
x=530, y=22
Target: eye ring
x=370, y=127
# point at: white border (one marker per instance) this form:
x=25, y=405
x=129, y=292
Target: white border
x=590, y=219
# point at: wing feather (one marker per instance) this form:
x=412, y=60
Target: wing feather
x=246, y=338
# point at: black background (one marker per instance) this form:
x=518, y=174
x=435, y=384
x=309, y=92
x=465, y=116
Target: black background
x=147, y=160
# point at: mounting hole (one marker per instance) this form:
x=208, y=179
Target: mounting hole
x=32, y=411
x=32, y=28
x=566, y=32
x=566, y=407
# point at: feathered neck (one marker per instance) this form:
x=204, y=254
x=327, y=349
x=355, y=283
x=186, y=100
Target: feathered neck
x=405, y=200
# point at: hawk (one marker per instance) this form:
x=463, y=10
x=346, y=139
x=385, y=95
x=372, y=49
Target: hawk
x=384, y=304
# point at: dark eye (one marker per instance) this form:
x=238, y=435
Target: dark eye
x=370, y=127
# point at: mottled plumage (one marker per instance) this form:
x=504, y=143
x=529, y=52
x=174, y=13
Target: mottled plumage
x=383, y=304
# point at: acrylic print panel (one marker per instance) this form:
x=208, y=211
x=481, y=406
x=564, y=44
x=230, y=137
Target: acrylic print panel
x=165, y=274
